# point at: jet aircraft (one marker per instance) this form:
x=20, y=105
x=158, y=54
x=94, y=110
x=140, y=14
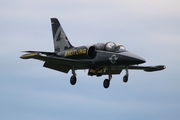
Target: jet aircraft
x=100, y=59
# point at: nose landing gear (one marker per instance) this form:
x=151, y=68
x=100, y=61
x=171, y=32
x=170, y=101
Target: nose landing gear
x=125, y=78
x=106, y=82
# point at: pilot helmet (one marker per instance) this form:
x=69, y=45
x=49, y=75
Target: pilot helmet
x=110, y=46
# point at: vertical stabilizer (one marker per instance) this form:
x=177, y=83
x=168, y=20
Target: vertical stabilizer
x=60, y=39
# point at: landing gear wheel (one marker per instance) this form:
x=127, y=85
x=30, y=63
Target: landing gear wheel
x=125, y=78
x=73, y=80
x=106, y=83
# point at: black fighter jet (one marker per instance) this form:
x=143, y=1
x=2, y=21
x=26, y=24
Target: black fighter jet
x=100, y=59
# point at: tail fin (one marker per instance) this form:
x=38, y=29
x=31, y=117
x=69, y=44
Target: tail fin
x=61, y=41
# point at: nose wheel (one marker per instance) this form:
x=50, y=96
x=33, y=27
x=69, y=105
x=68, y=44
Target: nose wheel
x=125, y=78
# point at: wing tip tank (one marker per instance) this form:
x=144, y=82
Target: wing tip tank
x=155, y=68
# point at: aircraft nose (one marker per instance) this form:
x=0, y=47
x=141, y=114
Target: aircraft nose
x=132, y=58
x=140, y=59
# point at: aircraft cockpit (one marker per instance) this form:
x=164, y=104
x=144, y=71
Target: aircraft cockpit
x=110, y=47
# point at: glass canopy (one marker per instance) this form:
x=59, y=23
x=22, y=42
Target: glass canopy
x=110, y=46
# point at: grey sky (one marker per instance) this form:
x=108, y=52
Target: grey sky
x=150, y=29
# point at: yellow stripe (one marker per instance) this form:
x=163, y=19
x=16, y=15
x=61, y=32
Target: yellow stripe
x=27, y=56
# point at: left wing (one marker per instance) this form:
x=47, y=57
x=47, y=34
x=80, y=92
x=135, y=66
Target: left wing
x=51, y=57
x=57, y=63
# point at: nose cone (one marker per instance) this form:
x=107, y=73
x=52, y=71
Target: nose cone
x=132, y=58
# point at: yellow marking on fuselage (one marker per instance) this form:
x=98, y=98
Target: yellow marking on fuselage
x=75, y=52
x=94, y=71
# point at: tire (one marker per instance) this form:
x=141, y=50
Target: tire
x=106, y=83
x=125, y=78
x=73, y=80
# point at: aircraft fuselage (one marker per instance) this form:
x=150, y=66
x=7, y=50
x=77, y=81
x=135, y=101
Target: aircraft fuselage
x=100, y=59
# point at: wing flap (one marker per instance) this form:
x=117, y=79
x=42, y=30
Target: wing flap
x=58, y=67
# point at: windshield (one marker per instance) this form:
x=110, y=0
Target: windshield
x=122, y=48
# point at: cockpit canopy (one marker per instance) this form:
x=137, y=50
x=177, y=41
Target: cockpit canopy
x=110, y=46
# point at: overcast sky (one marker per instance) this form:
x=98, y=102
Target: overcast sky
x=150, y=29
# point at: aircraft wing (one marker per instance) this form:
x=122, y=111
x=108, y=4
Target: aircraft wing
x=57, y=63
x=64, y=65
x=51, y=57
x=148, y=68
x=145, y=68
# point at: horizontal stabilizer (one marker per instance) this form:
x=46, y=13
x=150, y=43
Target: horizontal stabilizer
x=33, y=54
x=28, y=56
x=41, y=52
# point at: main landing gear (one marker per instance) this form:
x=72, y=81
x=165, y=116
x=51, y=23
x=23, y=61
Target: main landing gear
x=106, y=82
x=73, y=79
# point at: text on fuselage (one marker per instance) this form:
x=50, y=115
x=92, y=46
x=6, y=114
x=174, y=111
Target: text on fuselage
x=75, y=52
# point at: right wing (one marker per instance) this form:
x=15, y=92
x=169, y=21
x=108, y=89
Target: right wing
x=148, y=68
x=145, y=68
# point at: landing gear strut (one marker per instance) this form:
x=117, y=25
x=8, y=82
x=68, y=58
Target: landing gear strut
x=125, y=78
x=106, y=82
x=73, y=78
